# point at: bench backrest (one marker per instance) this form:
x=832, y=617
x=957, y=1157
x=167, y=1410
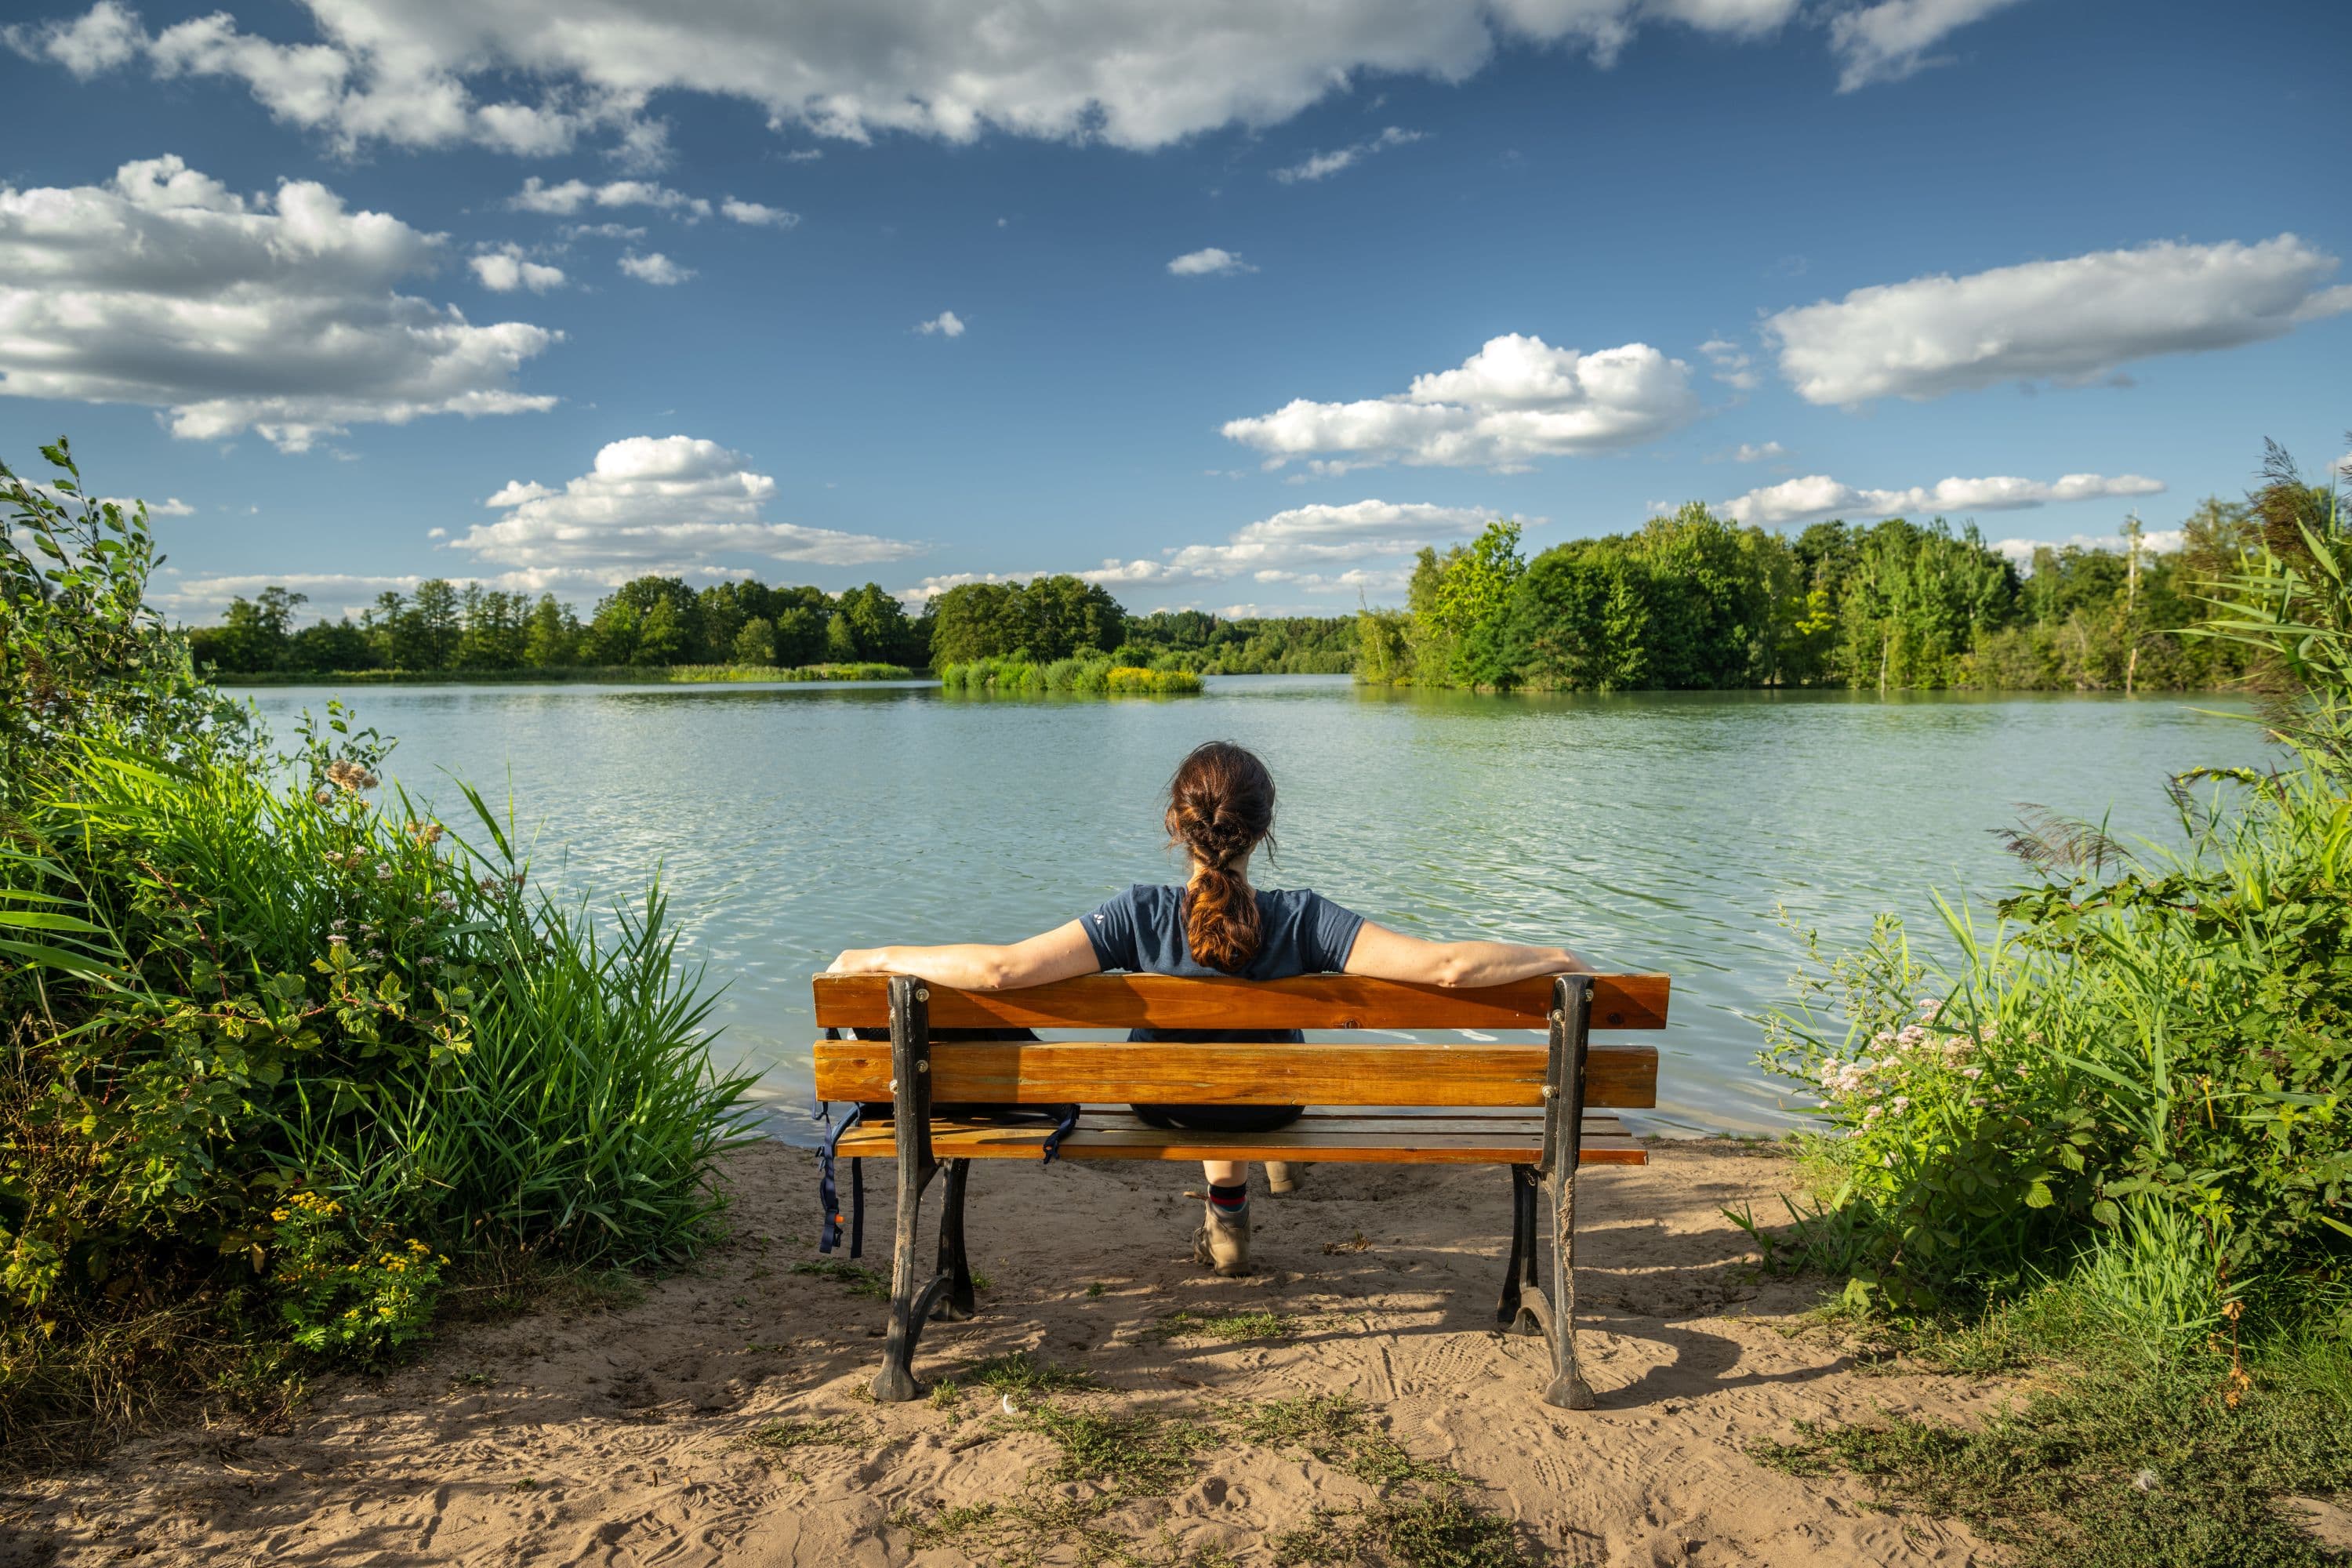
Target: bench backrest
x=1498, y=1073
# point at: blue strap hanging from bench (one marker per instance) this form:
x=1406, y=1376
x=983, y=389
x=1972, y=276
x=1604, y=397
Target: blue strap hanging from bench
x=1066, y=1121
x=829, y=1195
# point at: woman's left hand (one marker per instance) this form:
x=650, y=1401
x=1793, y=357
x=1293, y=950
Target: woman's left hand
x=856, y=960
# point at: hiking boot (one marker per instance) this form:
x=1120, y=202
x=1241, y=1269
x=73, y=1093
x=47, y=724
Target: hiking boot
x=1223, y=1244
x=1282, y=1176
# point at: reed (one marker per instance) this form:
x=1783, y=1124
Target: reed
x=1088, y=676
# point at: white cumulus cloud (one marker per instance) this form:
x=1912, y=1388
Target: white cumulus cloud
x=506, y=269
x=571, y=196
x=1890, y=40
x=1323, y=166
x=2155, y=540
x=1323, y=546
x=758, y=214
x=275, y=313
x=945, y=324
x=1732, y=366
x=363, y=83
x=2070, y=322
x=1817, y=496
x=1363, y=546
x=1209, y=263
x=1513, y=401
x=655, y=268
x=536, y=76
x=670, y=504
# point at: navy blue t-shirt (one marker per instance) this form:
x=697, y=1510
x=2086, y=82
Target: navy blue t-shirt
x=1300, y=931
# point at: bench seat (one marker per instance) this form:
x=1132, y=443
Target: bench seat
x=1451, y=1138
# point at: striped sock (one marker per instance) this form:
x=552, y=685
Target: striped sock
x=1230, y=1203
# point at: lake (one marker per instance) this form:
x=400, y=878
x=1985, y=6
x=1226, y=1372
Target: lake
x=1657, y=831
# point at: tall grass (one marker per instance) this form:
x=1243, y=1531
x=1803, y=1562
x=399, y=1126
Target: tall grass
x=586, y=1120
x=1097, y=676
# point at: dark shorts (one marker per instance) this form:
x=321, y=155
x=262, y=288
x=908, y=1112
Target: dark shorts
x=1221, y=1118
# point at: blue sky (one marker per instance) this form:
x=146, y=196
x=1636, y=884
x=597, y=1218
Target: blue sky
x=550, y=294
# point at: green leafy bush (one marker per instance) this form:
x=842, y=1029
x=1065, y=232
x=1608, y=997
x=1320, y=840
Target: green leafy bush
x=356, y=1297
x=274, y=1047
x=2145, y=1067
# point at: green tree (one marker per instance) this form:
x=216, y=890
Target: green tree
x=329, y=646
x=800, y=634
x=662, y=638
x=552, y=640
x=1460, y=605
x=977, y=620
x=722, y=613
x=879, y=626
x=755, y=642
x=253, y=637
x=437, y=624
x=1579, y=619
x=840, y=640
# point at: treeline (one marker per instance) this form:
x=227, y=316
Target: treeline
x=651, y=621
x=661, y=623
x=1693, y=601
x=1062, y=617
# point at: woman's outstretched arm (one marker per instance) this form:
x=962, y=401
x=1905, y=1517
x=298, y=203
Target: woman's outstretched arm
x=1057, y=954
x=1384, y=954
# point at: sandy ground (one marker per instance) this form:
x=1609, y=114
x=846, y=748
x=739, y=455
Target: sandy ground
x=617, y=1436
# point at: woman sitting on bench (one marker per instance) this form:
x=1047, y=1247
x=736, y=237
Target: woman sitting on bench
x=1219, y=808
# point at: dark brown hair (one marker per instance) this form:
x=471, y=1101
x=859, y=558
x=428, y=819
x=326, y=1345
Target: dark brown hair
x=1221, y=806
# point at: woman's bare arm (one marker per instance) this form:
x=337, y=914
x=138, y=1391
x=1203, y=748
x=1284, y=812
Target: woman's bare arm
x=1057, y=954
x=1384, y=954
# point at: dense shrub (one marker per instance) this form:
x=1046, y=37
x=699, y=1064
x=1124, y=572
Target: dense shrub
x=2145, y=1069
x=274, y=1047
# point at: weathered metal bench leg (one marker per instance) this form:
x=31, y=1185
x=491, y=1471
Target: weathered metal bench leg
x=1563, y=1147
x=912, y=1295
x=957, y=1304
x=1523, y=1275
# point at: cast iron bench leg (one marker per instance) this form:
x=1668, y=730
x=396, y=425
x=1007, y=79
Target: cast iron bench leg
x=1563, y=1147
x=1523, y=1275
x=957, y=1304
x=913, y=1295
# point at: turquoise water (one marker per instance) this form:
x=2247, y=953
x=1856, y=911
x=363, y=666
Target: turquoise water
x=1657, y=831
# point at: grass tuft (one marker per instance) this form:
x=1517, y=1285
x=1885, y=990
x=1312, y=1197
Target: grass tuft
x=810, y=1432
x=1186, y=1324
x=859, y=1281
x=1021, y=1371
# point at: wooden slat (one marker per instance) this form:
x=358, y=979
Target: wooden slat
x=984, y=1141
x=1165, y=1073
x=1307, y=1002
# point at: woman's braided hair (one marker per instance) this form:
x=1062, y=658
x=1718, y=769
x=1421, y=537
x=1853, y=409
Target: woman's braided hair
x=1221, y=807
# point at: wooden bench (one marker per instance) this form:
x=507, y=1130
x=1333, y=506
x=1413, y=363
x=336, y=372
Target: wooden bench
x=1521, y=1104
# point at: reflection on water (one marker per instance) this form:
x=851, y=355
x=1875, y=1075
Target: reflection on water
x=1657, y=831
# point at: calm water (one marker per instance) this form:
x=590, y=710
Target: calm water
x=1651, y=832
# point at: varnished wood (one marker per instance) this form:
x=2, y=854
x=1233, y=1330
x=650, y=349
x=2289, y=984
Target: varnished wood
x=1163, y=1072
x=1307, y=1002
x=1508, y=1144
